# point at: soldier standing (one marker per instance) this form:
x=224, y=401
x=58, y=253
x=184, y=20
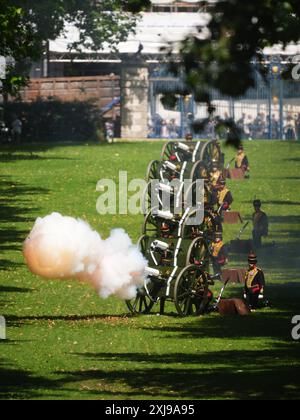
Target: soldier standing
x=254, y=283
x=241, y=160
x=16, y=129
x=219, y=253
x=224, y=195
x=260, y=224
x=216, y=174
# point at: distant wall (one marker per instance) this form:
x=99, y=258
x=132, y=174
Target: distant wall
x=102, y=89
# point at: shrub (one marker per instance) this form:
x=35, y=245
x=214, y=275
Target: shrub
x=57, y=121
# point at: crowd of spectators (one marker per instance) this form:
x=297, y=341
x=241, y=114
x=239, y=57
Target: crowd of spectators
x=165, y=129
x=259, y=127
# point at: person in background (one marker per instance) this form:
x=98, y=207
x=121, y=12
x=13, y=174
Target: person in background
x=16, y=129
x=173, y=129
x=254, y=283
x=219, y=253
x=290, y=128
x=275, y=127
x=260, y=224
x=157, y=123
x=109, y=131
x=249, y=128
x=164, y=130
x=224, y=195
x=242, y=125
x=216, y=174
x=241, y=160
x=298, y=126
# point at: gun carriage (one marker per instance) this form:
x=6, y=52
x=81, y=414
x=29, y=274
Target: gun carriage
x=205, y=151
x=177, y=244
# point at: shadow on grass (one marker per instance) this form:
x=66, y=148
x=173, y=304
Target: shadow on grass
x=286, y=220
x=17, y=321
x=275, y=202
x=16, y=206
x=9, y=157
x=18, y=384
x=29, y=151
x=6, y=265
x=250, y=374
x=271, y=372
x=5, y=290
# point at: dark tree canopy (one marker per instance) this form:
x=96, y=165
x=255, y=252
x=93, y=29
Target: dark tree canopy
x=25, y=25
x=221, y=58
x=238, y=32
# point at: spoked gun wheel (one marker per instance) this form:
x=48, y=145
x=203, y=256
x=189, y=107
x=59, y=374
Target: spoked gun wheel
x=191, y=291
x=142, y=304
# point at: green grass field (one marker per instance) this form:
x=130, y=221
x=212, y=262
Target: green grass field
x=63, y=342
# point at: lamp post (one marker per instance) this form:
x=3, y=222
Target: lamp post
x=275, y=93
x=3, y=68
x=2, y=75
x=46, y=60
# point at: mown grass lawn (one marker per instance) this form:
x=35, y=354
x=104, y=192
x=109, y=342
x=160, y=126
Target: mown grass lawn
x=64, y=342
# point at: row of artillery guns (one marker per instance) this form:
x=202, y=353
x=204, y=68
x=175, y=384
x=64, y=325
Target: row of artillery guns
x=180, y=223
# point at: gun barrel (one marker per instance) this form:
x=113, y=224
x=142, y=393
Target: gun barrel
x=152, y=272
x=163, y=246
x=183, y=147
x=167, y=215
x=170, y=166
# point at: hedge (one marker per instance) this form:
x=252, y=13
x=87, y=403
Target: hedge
x=57, y=121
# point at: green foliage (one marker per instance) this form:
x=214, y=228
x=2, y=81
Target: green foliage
x=57, y=121
x=26, y=26
x=239, y=31
x=237, y=34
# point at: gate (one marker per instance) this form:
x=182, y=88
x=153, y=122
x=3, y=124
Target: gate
x=271, y=110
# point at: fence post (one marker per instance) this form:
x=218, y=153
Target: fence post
x=270, y=107
x=2, y=75
x=181, y=102
x=232, y=108
x=2, y=328
x=281, y=105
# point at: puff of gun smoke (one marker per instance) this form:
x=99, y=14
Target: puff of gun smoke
x=65, y=248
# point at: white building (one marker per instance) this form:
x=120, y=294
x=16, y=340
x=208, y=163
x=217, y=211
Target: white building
x=167, y=23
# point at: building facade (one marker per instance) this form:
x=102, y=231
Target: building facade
x=140, y=62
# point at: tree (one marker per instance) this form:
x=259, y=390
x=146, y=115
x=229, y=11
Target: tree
x=221, y=57
x=25, y=26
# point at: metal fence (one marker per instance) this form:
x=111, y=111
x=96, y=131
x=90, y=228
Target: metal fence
x=269, y=111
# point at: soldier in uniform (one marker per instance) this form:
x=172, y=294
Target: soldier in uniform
x=219, y=253
x=260, y=224
x=241, y=160
x=224, y=195
x=254, y=283
x=216, y=174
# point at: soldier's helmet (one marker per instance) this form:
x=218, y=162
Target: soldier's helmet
x=252, y=259
x=257, y=203
x=219, y=235
x=189, y=137
x=222, y=182
x=215, y=165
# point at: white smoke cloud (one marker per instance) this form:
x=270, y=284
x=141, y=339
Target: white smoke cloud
x=61, y=247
